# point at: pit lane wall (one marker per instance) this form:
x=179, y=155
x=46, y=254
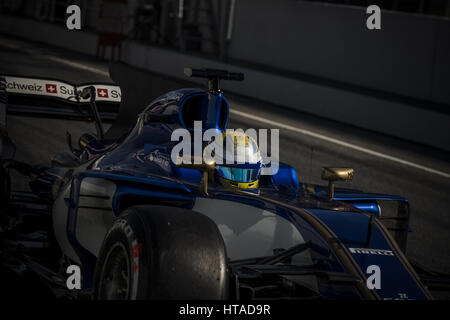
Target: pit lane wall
x=314, y=58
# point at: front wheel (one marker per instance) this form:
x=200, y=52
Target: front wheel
x=155, y=252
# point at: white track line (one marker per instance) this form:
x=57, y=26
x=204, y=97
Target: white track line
x=76, y=65
x=340, y=143
x=59, y=60
x=270, y=122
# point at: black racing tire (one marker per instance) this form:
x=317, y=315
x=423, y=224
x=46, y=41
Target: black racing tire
x=155, y=252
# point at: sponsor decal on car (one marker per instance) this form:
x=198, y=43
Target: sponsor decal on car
x=154, y=156
x=51, y=88
x=59, y=89
x=379, y=252
x=13, y=85
x=102, y=92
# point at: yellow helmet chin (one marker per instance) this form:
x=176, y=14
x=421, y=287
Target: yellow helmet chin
x=239, y=185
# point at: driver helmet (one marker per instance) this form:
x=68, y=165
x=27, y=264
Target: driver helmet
x=238, y=164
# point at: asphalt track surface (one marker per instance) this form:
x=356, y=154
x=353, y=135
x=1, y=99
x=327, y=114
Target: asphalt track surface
x=382, y=164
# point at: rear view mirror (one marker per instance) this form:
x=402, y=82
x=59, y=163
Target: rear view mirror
x=206, y=168
x=335, y=174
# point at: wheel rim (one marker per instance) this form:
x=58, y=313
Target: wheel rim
x=115, y=276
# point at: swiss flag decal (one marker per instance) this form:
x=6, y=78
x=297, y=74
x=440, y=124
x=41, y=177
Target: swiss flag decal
x=51, y=88
x=102, y=93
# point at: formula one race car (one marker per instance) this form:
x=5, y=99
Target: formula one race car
x=140, y=226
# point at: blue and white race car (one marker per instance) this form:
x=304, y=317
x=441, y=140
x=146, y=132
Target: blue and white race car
x=140, y=226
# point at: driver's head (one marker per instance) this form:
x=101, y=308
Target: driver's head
x=239, y=163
